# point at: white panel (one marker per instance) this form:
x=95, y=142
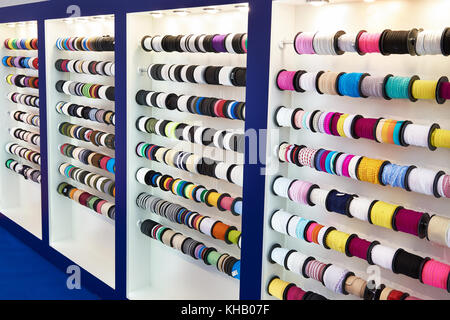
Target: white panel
x=289, y=19
x=154, y=270
x=21, y=199
x=79, y=233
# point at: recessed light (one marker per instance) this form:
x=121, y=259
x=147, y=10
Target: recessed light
x=181, y=12
x=317, y=3
x=68, y=21
x=156, y=14
x=242, y=7
x=211, y=10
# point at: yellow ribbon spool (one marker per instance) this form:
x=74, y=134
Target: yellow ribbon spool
x=382, y=213
x=368, y=170
x=10, y=44
x=277, y=287
x=8, y=78
x=424, y=89
x=337, y=240
x=340, y=125
x=213, y=198
x=233, y=236
x=28, y=44
x=440, y=138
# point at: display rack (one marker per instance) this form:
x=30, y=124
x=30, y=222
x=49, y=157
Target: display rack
x=21, y=200
x=154, y=270
x=287, y=20
x=77, y=231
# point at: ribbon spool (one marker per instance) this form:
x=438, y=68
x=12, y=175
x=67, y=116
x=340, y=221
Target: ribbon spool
x=400, y=87
x=327, y=43
x=278, y=288
x=427, y=89
x=368, y=43
x=398, y=42
x=429, y=42
x=303, y=43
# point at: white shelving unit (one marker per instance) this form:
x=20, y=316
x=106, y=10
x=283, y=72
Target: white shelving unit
x=21, y=198
x=154, y=270
x=81, y=234
x=290, y=17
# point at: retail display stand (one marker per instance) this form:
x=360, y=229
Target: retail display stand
x=287, y=21
x=158, y=148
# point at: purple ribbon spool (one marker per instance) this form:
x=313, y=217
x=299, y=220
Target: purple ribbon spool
x=218, y=43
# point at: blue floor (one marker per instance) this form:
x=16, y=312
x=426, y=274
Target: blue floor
x=25, y=275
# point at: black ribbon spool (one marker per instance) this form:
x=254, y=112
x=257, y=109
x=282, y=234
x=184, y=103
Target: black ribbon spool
x=444, y=45
x=407, y=267
x=140, y=97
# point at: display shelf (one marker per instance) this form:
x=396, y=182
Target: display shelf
x=21, y=198
x=155, y=271
x=81, y=234
x=288, y=19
